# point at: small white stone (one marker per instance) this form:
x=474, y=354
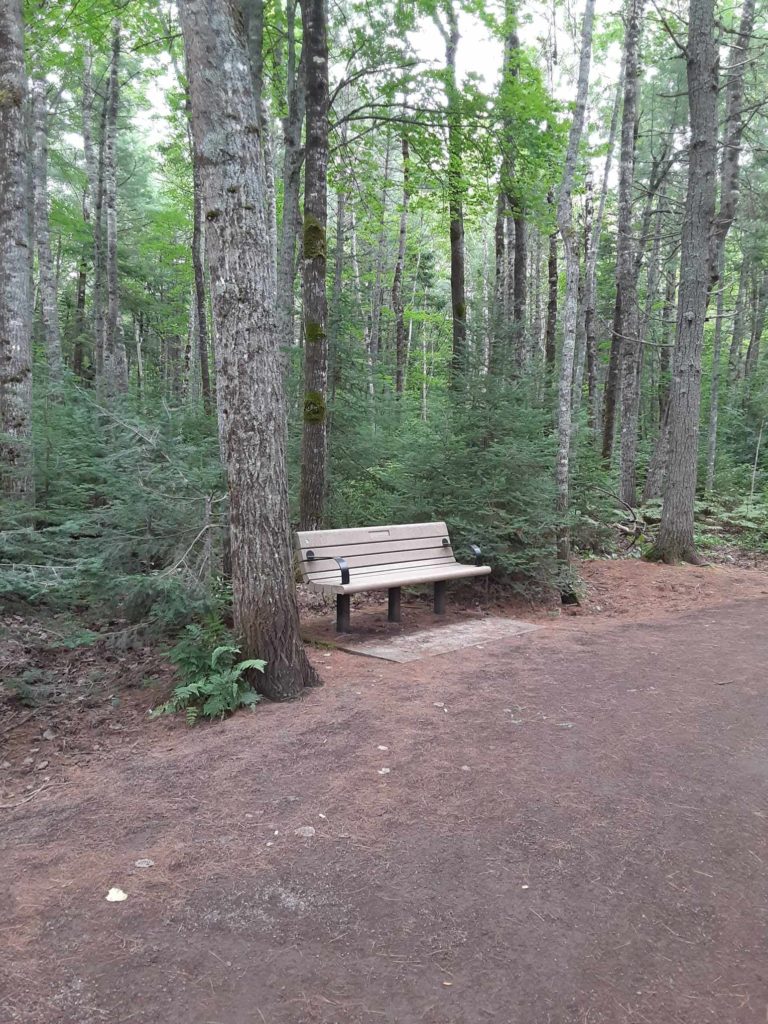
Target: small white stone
x=384, y=771
x=306, y=832
x=466, y=768
x=380, y=747
x=145, y=862
x=116, y=896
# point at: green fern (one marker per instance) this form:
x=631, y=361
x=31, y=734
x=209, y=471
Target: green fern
x=214, y=684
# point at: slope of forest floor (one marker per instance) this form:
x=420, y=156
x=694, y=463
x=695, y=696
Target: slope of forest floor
x=572, y=827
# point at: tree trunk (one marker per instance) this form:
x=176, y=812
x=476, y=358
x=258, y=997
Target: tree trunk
x=293, y=158
x=78, y=347
x=496, y=348
x=377, y=295
x=335, y=318
x=654, y=479
x=759, y=310
x=717, y=344
x=675, y=539
x=252, y=405
x=45, y=264
x=550, y=347
x=93, y=208
x=200, y=304
x=397, y=284
x=732, y=138
x=314, y=454
x=16, y=476
x=456, y=189
x=737, y=335
x=115, y=372
x=590, y=288
x=570, y=249
x=625, y=338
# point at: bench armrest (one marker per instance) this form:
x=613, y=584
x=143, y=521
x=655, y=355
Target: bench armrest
x=344, y=566
x=477, y=553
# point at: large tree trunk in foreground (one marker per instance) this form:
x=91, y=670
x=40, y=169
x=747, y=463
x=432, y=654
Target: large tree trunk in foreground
x=252, y=405
x=45, y=267
x=675, y=539
x=115, y=370
x=571, y=251
x=16, y=479
x=314, y=441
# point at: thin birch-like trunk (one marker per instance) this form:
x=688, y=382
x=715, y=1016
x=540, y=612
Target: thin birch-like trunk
x=570, y=249
x=397, y=283
x=45, y=263
x=590, y=288
x=115, y=370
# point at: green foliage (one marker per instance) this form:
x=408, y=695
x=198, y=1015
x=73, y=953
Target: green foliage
x=213, y=683
x=128, y=514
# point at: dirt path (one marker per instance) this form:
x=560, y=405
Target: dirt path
x=573, y=830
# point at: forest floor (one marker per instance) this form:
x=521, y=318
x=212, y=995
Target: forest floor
x=573, y=828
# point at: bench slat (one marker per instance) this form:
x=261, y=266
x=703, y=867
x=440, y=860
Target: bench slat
x=324, y=565
x=375, y=547
x=339, y=539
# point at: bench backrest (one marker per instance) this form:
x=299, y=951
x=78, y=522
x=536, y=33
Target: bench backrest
x=412, y=545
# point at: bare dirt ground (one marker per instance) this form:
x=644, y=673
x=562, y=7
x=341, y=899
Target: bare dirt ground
x=573, y=828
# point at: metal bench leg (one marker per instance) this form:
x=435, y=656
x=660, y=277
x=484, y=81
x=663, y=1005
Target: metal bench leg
x=440, y=597
x=394, y=604
x=342, y=613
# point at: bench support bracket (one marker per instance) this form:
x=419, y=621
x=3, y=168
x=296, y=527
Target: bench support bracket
x=394, y=604
x=342, y=613
x=440, y=597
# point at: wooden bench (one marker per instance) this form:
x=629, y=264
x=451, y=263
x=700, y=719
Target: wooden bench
x=345, y=562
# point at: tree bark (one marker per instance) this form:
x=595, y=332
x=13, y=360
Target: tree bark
x=115, y=370
x=570, y=249
x=732, y=139
x=252, y=399
x=16, y=475
x=45, y=264
x=456, y=189
x=293, y=158
x=729, y=196
x=627, y=264
x=759, y=310
x=737, y=334
x=397, y=283
x=93, y=207
x=675, y=539
x=550, y=346
x=200, y=317
x=314, y=453
x=590, y=288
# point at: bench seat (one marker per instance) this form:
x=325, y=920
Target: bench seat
x=387, y=576
x=344, y=562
